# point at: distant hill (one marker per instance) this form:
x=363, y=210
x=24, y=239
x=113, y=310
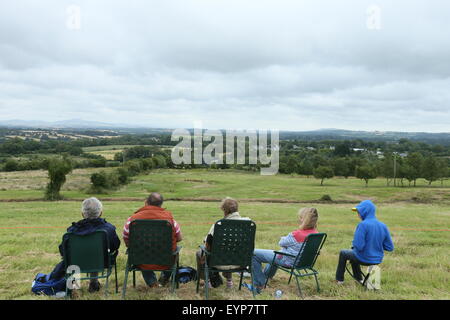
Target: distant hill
x=321, y=134
x=65, y=124
x=338, y=134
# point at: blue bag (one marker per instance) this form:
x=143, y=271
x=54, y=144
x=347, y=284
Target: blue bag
x=43, y=285
x=186, y=274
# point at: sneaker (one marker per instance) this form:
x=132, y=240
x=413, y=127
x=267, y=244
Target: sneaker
x=154, y=285
x=339, y=282
x=163, y=281
x=94, y=286
x=251, y=288
x=229, y=284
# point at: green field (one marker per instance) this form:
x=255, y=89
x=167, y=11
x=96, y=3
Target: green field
x=419, y=268
x=214, y=184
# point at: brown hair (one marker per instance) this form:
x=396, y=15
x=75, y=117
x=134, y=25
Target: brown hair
x=308, y=218
x=229, y=205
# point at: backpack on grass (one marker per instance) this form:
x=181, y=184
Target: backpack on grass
x=42, y=285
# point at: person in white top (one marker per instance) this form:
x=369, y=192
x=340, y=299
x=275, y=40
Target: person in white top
x=230, y=208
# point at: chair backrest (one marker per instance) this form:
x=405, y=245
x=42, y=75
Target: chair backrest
x=88, y=252
x=233, y=243
x=150, y=242
x=310, y=250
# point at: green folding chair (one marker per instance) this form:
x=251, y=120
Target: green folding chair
x=150, y=242
x=305, y=260
x=233, y=244
x=91, y=254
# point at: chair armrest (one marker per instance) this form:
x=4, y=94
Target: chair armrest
x=177, y=251
x=284, y=254
x=203, y=248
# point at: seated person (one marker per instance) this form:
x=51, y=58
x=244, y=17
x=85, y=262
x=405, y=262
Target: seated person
x=152, y=209
x=370, y=240
x=229, y=207
x=91, y=210
x=291, y=244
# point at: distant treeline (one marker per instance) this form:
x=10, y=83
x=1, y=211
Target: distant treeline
x=404, y=160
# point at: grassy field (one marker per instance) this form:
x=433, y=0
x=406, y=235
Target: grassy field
x=213, y=184
x=419, y=268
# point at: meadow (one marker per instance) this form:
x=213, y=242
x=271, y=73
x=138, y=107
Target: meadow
x=419, y=268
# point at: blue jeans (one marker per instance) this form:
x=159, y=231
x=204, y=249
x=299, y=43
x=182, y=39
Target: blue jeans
x=261, y=256
x=150, y=277
x=344, y=256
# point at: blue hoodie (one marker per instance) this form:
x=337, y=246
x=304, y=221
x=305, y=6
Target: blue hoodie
x=371, y=236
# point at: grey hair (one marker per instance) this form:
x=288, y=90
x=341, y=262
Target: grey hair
x=91, y=208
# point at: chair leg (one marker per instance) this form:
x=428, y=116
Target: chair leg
x=253, y=285
x=317, y=283
x=298, y=286
x=240, y=280
x=267, y=281
x=174, y=275
x=134, y=279
x=206, y=282
x=125, y=282
x=198, y=283
x=106, y=286
x=117, y=283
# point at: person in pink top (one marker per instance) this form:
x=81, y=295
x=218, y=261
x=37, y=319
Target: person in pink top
x=291, y=244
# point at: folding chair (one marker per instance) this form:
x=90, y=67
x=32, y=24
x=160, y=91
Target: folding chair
x=365, y=276
x=91, y=254
x=232, y=245
x=304, y=261
x=151, y=243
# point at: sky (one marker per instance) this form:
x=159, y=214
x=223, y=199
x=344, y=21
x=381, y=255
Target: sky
x=225, y=64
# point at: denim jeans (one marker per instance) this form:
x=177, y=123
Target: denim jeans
x=344, y=256
x=261, y=256
x=150, y=277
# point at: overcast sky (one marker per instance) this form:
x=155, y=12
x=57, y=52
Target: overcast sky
x=279, y=64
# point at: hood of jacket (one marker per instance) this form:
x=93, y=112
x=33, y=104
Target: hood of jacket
x=366, y=209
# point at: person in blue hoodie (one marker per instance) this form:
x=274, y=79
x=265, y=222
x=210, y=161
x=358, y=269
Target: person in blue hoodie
x=370, y=240
x=91, y=210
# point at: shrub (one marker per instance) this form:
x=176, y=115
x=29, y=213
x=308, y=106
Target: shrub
x=57, y=171
x=325, y=197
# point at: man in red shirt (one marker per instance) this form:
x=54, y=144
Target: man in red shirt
x=153, y=210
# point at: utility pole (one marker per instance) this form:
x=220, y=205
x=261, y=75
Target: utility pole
x=395, y=168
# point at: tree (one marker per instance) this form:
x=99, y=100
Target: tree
x=323, y=172
x=414, y=164
x=57, y=171
x=292, y=165
x=306, y=168
x=366, y=173
x=431, y=169
x=387, y=168
x=342, y=149
x=341, y=167
x=11, y=165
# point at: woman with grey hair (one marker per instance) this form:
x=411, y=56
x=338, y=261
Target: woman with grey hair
x=91, y=211
x=229, y=207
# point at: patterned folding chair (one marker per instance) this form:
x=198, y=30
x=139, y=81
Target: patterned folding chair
x=151, y=243
x=233, y=244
